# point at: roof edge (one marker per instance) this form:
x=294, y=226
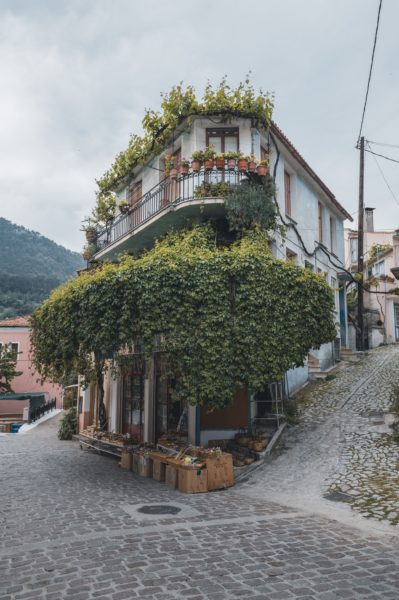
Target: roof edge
x=283, y=138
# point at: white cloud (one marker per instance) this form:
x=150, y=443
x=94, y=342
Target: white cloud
x=76, y=77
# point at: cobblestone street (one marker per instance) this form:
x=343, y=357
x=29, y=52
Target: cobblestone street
x=69, y=527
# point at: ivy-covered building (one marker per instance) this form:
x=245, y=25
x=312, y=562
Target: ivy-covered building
x=181, y=180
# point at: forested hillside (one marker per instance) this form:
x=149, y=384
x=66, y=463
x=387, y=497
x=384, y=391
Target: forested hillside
x=31, y=265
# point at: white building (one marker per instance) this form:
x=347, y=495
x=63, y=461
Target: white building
x=314, y=239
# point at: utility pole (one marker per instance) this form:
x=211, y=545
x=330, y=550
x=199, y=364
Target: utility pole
x=360, y=255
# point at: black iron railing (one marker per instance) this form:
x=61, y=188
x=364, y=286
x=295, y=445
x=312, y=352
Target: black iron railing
x=170, y=192
x=35, y=412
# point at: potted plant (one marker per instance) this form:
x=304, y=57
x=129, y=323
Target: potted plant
x=252, y=163
x=197, y=159
x=89, y=251
x=262, y=167
x=170, y=169
x=219, y=161
x=123, y=207
x=242, y=163
x=184, y=166
x=209, y=155
x=231, y=160
x=91, y=234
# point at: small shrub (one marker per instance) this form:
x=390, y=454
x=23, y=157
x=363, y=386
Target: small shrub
x=68, y=425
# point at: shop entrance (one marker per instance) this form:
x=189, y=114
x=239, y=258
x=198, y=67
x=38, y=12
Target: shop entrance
x=133, y=400
x=170, y=417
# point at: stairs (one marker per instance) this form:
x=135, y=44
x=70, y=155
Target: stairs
x=349, y=354
x=314, y=369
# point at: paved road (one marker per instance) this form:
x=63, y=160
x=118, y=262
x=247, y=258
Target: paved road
x=69, y=527
x=342, y=448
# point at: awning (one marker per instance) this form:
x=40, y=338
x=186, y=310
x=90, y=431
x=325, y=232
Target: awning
x=22, y=396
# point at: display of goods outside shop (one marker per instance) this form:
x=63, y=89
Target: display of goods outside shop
x=181, y=466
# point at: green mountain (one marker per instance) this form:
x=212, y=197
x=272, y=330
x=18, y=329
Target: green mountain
x=31, y=266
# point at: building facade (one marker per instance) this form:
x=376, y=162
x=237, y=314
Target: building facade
x=153, y=201
x=381, y=286
x=15, y=333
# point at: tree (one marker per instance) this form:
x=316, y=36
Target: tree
x=8, y=370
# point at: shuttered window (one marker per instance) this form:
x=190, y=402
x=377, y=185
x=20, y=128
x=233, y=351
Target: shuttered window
x=135, y=192
x=287, y=191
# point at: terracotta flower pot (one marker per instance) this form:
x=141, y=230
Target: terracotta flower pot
x=184, y=169
x=252, y=166
x=90, y=235
x=196, y=166
x=173, y=173
x=231, y=164
x=262, y=170
x=242, y=165
x=219, y=164
x=208, y=164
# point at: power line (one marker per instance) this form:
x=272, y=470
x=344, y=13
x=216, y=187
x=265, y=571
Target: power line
x=370, y=71
x=383, y=156
x=382, y=144
x=384, y=178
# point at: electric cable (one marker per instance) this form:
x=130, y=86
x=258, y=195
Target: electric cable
x=370, y=72
x=384, y=178
x=319, y=246
x=382, y=156
x=382, y=144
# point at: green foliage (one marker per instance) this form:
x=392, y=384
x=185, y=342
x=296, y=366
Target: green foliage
x=177, y=105
x=376, y=250
x=248, y=206
x=68, y=424
x=31, y=266
x=8, y=370
x=223, y=316
x=208, y=189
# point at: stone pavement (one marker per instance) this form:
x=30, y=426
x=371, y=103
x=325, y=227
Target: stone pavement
x=341, y=450
x=70, y=530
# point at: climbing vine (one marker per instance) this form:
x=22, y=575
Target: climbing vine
x=222, y=316
x=178, y=104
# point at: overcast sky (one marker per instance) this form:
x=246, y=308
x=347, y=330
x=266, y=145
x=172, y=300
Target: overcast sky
x=77, y=75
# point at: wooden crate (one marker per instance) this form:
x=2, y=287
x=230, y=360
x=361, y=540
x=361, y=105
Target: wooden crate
x=142, y=464
x=220, y=471
x=158, y=470
x=135, y=462
x=192, y=481
x=126, y=460
x=171, y=476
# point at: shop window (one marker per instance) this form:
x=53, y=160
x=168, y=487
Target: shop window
x=170, y=416
x=133, y=401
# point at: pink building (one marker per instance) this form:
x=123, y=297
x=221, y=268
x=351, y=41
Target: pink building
x=16, y=332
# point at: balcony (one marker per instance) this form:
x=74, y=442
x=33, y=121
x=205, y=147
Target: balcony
x=169, y=204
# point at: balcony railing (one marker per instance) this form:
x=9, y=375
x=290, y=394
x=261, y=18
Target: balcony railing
x=169, y=192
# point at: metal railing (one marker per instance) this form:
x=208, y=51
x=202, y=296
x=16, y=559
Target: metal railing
x=169, y=192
